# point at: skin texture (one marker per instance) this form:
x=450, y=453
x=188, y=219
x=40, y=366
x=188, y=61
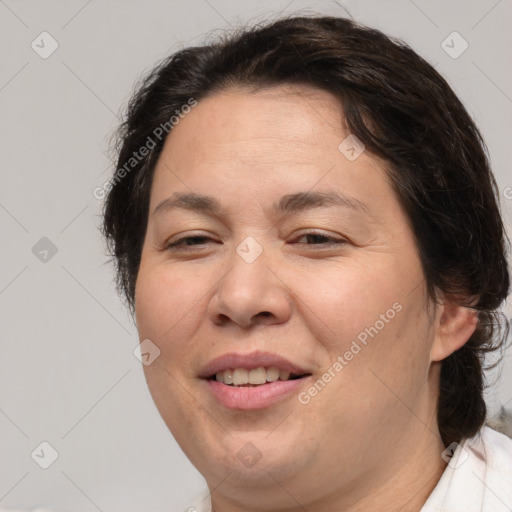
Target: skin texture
x=369, y=440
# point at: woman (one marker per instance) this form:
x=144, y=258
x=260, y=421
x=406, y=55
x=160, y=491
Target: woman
x=315, y=258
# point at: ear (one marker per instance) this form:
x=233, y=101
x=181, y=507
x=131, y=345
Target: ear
x=455, y=326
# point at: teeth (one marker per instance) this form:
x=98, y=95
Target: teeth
x=228, y=377
x=272, y=374
x=241, y=376
x=258, y=376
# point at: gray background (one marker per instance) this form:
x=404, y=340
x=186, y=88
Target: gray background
x=68, y=375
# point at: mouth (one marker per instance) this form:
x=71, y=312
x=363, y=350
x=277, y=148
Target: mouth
x=256, y=377
x=241, y=389
x=253, y=380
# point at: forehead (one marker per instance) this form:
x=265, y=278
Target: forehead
x=265, y=144
x=283, y=119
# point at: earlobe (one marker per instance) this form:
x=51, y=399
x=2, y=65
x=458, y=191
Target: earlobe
x=454, y=328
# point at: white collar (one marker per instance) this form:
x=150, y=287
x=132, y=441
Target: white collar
x=478, y=478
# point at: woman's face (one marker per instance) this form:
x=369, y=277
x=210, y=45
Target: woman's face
x=306, y=260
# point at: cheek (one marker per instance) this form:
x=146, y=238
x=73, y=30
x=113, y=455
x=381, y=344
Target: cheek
x=385, y=354
x=164, y=305
x=367, y=315
x=342, y=302
x=372, y=359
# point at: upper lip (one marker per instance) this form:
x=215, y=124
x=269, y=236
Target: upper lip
x=250, y=361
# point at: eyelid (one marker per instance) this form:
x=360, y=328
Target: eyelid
x=178, y=243
x=331, y=237
x=180, y=237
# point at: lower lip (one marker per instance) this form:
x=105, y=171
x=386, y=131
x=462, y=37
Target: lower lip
x=251, y=398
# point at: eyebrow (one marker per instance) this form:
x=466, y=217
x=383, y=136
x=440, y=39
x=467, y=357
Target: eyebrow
x=291, y=203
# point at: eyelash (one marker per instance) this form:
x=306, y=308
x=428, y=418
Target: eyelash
x=179, y=245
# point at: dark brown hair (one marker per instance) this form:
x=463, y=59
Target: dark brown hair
x=403, y=111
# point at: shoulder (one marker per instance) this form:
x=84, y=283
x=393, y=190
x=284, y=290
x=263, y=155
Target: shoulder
x=495, y=447
x=478, y=476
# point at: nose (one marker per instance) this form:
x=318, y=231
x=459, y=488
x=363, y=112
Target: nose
x=250, y=294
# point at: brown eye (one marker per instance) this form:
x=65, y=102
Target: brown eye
x=188, y=241
x=321, y=239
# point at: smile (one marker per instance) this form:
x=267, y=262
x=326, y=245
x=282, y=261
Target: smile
x=254, y=377
x=249, y=397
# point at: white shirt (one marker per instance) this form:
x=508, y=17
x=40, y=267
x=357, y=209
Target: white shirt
x=478, y=478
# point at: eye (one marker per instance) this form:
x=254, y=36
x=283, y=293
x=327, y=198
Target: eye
x=187, y=241
x=322, y=239
x=198, y=240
